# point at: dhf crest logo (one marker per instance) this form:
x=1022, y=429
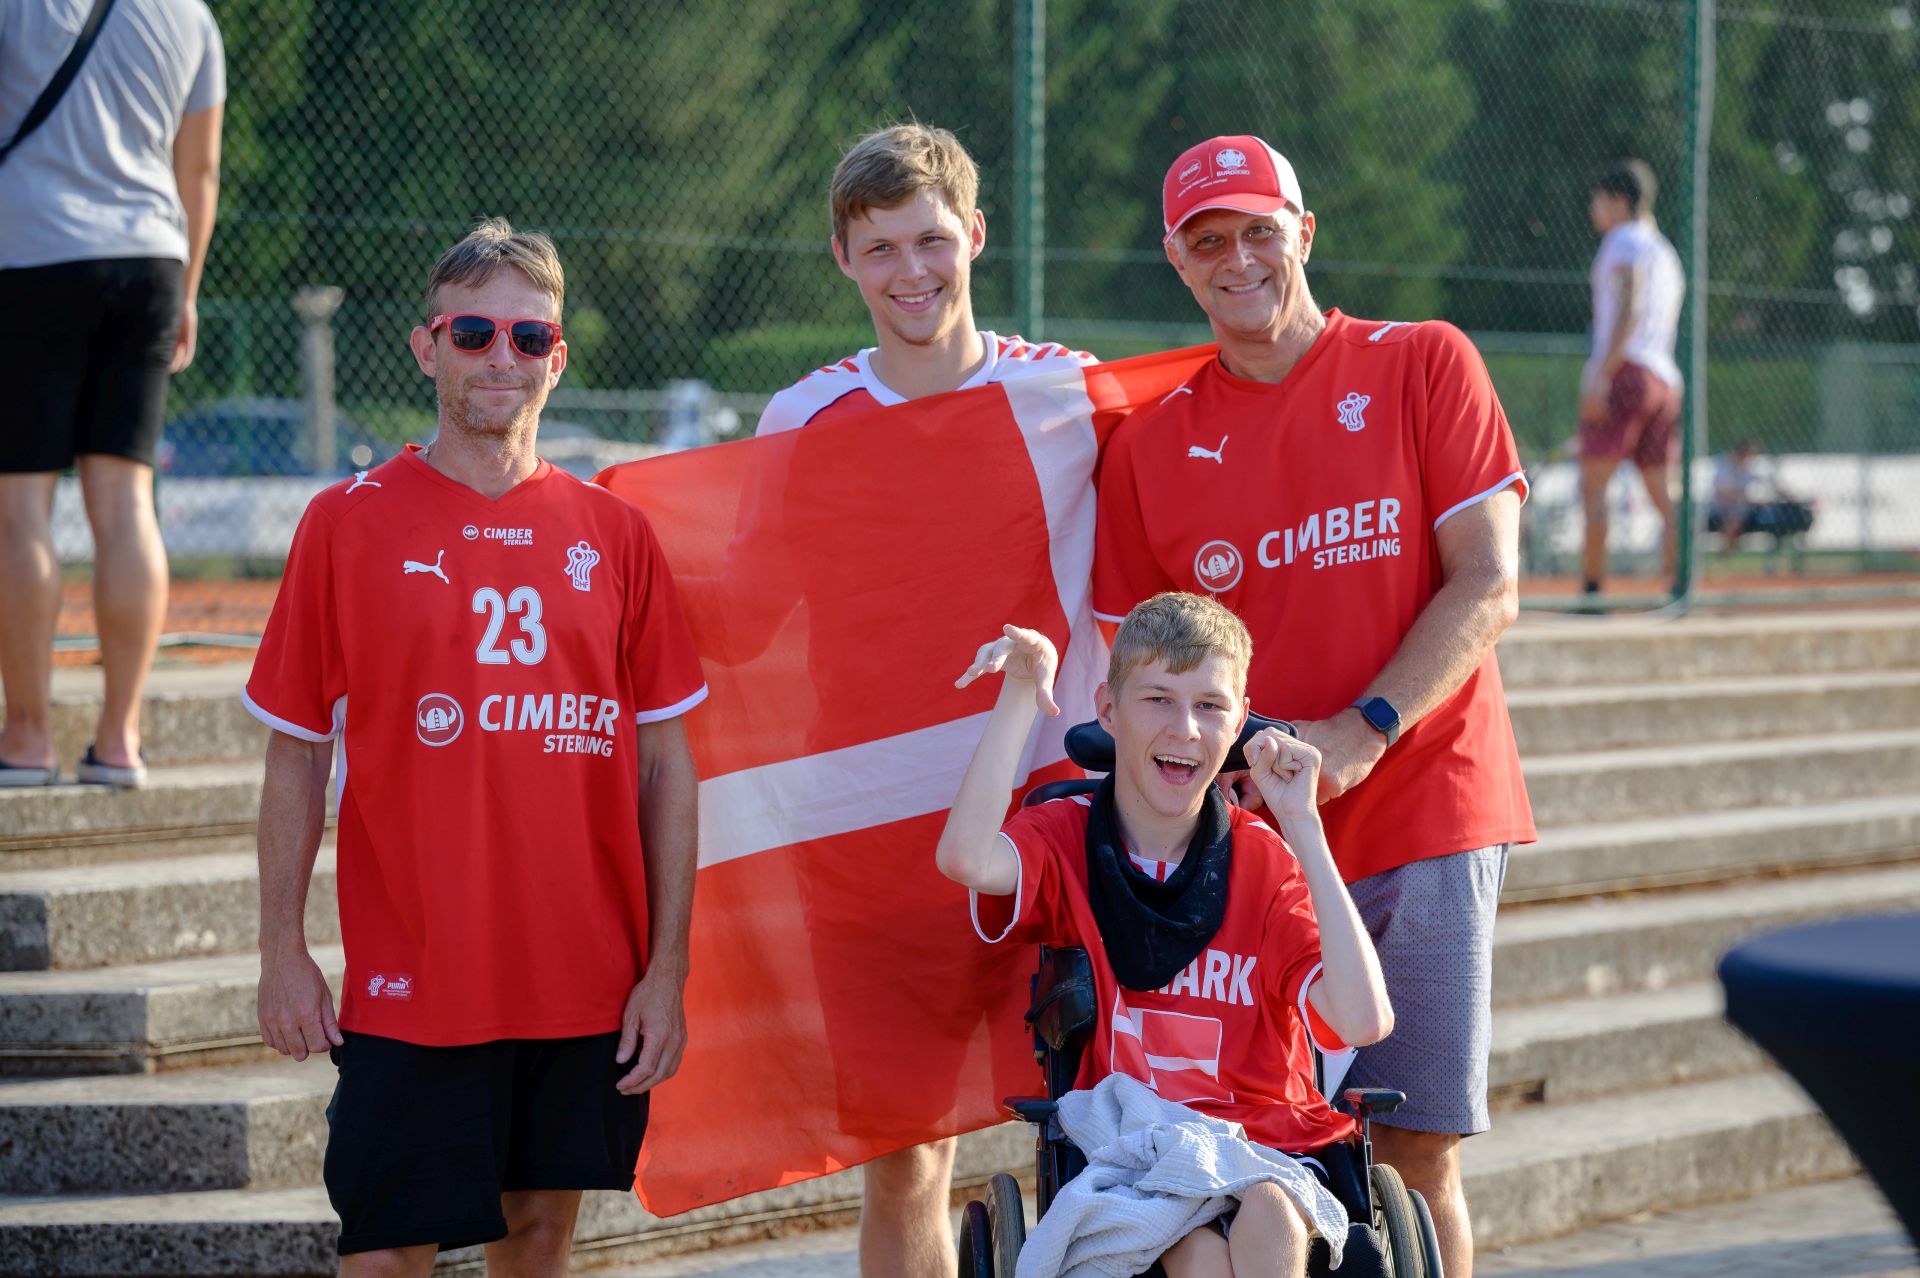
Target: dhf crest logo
x=1218, y=566
x=1350, y=409
x=580, y=561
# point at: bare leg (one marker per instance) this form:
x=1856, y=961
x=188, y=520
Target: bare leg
x=539, y=1234
x=396, y=1262
x=1594, y=474
x=129, y=594
x=1201, y=1254
x=1430, y=1163
x=1659, y=480
x=905, y=1229
x=30, y=583
x=1269, y=1237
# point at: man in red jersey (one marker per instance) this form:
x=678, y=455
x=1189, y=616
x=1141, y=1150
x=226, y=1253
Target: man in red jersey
x=906, y=229
x=1352, y=490
x=498, y=651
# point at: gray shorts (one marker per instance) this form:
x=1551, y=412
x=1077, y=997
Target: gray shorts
x=1432, y=924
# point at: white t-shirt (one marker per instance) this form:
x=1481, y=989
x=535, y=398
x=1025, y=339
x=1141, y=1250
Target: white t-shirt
x=96, y=179
x=1640, y=247
x=851, y=386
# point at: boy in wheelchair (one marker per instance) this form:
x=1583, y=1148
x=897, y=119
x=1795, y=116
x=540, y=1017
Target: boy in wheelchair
x=1217, y=944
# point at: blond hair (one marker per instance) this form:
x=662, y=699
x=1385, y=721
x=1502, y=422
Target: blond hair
x=1182, y=630
x=491, y=245
x=887, y=168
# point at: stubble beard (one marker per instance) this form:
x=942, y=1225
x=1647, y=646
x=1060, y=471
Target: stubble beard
x=459, y=413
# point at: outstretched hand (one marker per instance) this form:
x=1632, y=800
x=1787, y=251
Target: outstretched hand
x=1024, y=656
x=1287, y=771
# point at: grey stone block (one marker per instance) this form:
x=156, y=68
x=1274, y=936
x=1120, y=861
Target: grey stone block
x=1667, y=780
x=1606, y=717
x=1577, y=1049
x=255, y=1126
x=145, y=911
x=1549, y=652
x=1562, y=1167
x=135, y=1018
x=1607, y=945
x=288, y=1232
x=204, y=800
x=1695, y=848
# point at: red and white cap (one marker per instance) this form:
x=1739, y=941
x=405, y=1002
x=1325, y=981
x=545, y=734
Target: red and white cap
x=1240, y=172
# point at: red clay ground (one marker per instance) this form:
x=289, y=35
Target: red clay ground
x=240, y=607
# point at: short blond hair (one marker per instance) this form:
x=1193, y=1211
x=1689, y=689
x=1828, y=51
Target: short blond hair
x=887, y=168
x=1182, y=630
x=491, y=245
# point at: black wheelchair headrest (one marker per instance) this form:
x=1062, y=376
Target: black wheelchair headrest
x=1091, y=746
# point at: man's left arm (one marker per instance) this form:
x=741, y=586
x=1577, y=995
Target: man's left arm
x=1478, y=599
x=654, y=1022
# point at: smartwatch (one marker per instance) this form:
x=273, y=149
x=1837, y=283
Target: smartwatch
x=1380, y=716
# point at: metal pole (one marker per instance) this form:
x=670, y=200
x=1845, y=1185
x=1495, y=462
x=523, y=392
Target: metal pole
x=1698, y=139
x=315, y=305
x=1029, y=166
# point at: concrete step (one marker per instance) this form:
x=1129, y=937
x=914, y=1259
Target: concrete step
x=1606, y=717
x=1667, y=780
x=291, y=1231
x=118, y=1020
x=145, y=911
x=1580, y=1048
x=240, y=1126
x=1606, y=945
x=201, y=800
x=191, y=713
x=1704, y=847
x=1557, y=1168
x=1542, y=651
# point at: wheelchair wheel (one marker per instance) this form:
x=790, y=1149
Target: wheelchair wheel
x=1429, y=1236
x=976, y=1242
x=1009, y=1218
x=1399, y=1223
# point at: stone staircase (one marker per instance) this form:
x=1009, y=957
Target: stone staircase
x=144, y=1130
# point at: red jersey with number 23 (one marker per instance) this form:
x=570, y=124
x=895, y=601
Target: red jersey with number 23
x=1227, y=1036
x=1310, y=507
x=483, y=664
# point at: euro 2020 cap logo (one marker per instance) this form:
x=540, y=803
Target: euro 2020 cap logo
x=438, y=719
x=1217, y=566
x=1230, y=158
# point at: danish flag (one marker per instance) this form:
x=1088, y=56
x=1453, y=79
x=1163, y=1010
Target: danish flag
x=1175, y=1054
x=836, y=578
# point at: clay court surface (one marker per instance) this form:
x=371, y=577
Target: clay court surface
x=239, y=607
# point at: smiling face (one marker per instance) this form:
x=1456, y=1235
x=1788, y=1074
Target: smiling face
x=1171, y=732
x=914, y=264
x=496, y=393
x=1247, y=270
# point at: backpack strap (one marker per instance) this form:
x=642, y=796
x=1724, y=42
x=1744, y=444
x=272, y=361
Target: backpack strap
x=57, y=88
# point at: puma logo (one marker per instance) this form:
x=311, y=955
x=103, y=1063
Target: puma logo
x=1178, y=390
x=360, y=480
x=1215, y=452
x=412, y=566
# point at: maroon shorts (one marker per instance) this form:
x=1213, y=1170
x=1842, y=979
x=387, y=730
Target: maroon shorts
x=1642, y=410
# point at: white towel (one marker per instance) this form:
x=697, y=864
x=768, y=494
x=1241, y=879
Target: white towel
x=1156, y=1171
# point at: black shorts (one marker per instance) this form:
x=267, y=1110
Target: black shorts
x=84, y=350
x=424, y=1140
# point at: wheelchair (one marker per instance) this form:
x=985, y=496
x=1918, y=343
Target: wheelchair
x=1390, y=1232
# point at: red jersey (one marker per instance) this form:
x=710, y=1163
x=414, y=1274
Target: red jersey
x=1228, y=1036
x=1309, y=507
x=850, y=386
x=483, y=664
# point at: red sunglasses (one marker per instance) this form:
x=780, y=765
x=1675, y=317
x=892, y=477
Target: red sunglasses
x=474, y=334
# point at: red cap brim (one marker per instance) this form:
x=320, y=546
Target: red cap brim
x=1254, y=204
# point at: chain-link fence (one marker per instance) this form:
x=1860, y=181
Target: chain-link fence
x=679, y=154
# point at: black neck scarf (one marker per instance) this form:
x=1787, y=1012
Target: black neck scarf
x=1152, y=930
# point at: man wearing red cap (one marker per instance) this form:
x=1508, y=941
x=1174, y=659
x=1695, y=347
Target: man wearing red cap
x=1352, y=490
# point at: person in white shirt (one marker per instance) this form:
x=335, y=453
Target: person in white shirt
x=1630, y=389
